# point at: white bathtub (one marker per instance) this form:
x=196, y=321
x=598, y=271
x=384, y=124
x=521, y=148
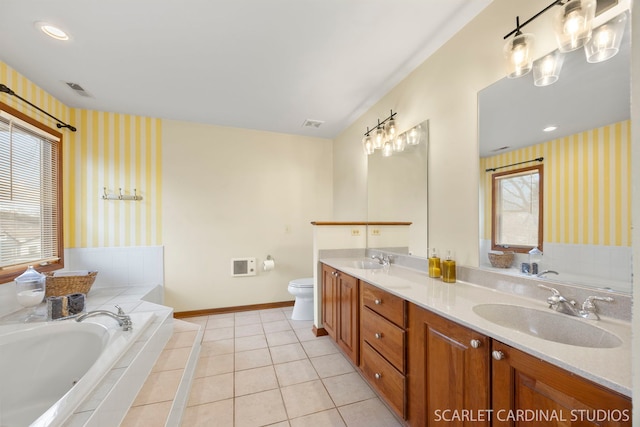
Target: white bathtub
x=48, y=369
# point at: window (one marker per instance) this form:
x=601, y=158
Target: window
x=517, y=210
x=30, y=195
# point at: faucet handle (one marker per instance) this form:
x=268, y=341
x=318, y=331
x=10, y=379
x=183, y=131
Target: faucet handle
x=588, y=304
x=555, y=292
x=120, y=310
x=553, y=299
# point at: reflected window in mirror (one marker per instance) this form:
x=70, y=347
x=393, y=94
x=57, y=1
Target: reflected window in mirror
x=517, y=209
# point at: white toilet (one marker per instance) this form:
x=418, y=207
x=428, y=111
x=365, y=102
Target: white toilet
x=302, y=289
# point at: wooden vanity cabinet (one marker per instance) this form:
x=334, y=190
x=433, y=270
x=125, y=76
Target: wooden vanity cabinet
x=340, y=314
x=448, y=372
x=523, y=382
x=383, y=344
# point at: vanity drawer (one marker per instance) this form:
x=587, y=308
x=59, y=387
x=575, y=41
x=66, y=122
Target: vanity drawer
x=385, y=378
x=384, y=303
x=385, y=337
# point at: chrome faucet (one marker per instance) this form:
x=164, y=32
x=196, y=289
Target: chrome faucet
x=383, y=259
x=543, y=273
x=563, y=305
x=123, y=319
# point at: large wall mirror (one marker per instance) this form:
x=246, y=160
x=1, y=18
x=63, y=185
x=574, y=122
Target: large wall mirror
x=586, y=161
x=397, y=189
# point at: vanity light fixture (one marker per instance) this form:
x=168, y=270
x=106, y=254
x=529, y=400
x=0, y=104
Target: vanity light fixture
x=413, y=136
x=52, y=31
x=384, y=136
x=573, y=29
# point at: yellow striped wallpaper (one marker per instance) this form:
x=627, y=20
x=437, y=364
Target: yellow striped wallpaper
x=587, y=186
x=108, y=150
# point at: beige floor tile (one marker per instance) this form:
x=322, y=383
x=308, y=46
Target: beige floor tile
x=320, y=347
x=331, y=365
x=215, y=414
x=213, y=348
x=272, y=316
x=287, y=353
x=305, y=334
x=259, y=409
x=277, y=326
x=281, y=424
x=348, y=388
x=249, y=319
x=159, y=387
x=249, y=330
x=172, y=358
x=330, y=418
x=154, y=414
x=255, y=380
x=250, y=343
x=214, y=365
x=216, y=322
x=217, y=334
x=281, y=338
x=306, y=398
x=211, y=389
x=252, y=359
x=368, y=413
x=295, y=372
x=301, y=324
x=182, y=339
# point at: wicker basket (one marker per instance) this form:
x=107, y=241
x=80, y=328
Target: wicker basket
x=65, y=285
x=501, y=260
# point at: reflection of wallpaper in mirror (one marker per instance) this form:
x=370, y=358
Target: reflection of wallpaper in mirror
x=587, y=203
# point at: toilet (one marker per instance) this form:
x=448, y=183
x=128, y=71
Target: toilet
x=302, y=289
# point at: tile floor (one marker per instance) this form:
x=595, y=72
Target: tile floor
x=260, y=368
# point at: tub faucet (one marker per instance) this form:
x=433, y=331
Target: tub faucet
x=545, y=272
x=123, y=319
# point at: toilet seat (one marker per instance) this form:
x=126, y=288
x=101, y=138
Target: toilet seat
x=307, y=282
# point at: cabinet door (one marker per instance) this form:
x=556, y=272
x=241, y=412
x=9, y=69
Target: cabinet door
x=329, y=300
x=347, y=332
x=525, y=386
x=448, y=372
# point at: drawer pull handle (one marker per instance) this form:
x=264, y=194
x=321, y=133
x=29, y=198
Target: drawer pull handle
x=378, y=301
x=378, y=335
x=497, y=355
x=335, y=274
x=377, y=375
x=476, y=343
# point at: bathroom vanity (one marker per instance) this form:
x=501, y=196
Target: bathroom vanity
x=427, y=350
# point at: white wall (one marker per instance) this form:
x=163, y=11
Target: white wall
x=635, y=196
x=231, y=193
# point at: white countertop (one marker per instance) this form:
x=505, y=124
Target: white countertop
x=610, y=367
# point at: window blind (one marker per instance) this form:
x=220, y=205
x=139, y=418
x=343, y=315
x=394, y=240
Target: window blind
x=29, y=217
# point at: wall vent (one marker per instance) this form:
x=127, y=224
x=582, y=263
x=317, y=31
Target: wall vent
x=243, y=267
x=312, y=123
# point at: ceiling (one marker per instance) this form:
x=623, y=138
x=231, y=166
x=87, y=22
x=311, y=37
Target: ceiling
x=514, y=112
x=254, y=64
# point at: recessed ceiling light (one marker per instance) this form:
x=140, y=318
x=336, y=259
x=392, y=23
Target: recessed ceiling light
x=550, y=128
x=52, y=31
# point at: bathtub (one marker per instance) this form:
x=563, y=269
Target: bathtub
x=48, y=369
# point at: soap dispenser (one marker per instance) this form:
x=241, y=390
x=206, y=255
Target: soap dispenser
x=535, y=258
x=449, y=269
x=435, y=270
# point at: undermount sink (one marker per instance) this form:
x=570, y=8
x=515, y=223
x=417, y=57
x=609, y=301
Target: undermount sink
x=548, y=325
x=366, y=264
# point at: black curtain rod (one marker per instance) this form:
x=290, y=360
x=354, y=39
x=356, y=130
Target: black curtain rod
x=539, y=159
x=60, y=124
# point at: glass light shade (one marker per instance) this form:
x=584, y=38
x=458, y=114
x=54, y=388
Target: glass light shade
x=391, y=129
x=399, y=143
x=380, y=138
x=367, y=144
x=518, y=53
x=387, y=150
x=572, y=24
x=605, y=40
x=546, y=70
x=413, y=137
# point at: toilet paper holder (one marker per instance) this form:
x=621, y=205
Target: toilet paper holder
x=268, y=264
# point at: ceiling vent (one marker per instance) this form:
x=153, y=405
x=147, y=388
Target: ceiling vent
x=312, y=123
x=79, y=89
